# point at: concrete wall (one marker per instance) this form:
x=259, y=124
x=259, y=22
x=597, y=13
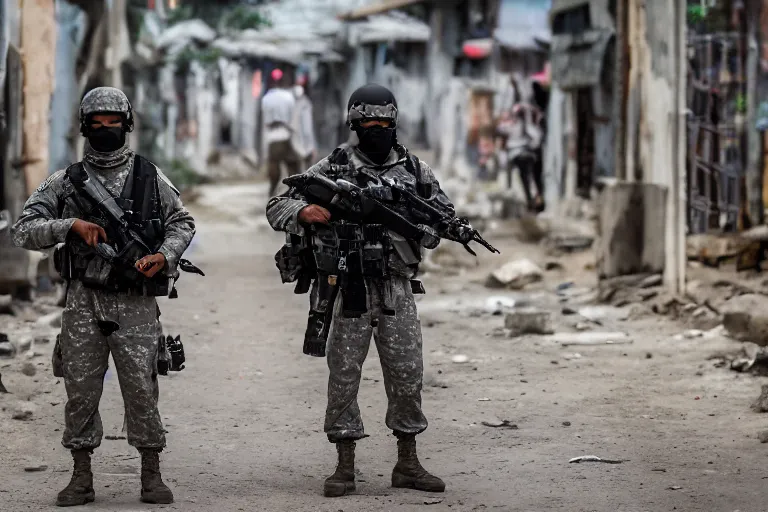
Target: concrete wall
x=70, y=26
x=657, y=83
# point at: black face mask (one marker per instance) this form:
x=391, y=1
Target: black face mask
x=376, y=142
x=107, y=140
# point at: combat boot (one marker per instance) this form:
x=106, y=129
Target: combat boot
x=80, y=488
x=343, y=480
x=153, y=490
x=408, y=471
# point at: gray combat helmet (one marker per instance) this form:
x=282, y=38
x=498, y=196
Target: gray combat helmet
x=371, y=102
x=106, y=100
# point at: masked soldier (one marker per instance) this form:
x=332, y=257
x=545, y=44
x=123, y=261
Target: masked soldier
x=386, y=309
x=109, y=308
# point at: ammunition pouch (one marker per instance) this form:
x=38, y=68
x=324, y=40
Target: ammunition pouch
x=350, y=253
x=295, y=263
x=97, y=273
x=170, y=355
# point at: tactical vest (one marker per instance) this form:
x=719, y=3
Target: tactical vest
x=140, y=200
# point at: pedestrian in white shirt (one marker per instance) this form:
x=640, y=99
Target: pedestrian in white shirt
x=277, y=110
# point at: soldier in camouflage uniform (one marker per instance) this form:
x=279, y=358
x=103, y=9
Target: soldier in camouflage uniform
x=98, y=321
x=373, y=116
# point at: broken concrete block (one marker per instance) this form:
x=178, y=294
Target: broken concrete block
x=632, y=222
x=761, y=404
x=515, y=275
x=746, y=318
x=528, y=321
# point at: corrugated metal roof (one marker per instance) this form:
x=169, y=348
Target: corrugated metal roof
x=379, y=7
x=393, y=26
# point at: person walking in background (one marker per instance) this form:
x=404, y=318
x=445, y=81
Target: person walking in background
x=303, y=140
x=277, y=107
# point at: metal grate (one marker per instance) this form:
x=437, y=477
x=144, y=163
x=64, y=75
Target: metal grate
x=716, y=92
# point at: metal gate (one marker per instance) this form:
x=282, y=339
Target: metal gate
x=716, y=116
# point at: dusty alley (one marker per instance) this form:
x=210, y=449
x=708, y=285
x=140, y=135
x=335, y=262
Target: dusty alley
x=244, y=419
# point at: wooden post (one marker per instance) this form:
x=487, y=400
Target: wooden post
x=38, y=42
x=621, y=88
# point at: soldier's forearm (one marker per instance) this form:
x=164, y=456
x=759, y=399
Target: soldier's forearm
x=39, y=233
x=178, y=236
x=283, y=214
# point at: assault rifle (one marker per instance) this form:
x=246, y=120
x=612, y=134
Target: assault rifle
x=367, y=205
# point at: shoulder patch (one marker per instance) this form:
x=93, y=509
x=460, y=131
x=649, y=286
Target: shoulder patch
x=166, y=180
x=50, y=179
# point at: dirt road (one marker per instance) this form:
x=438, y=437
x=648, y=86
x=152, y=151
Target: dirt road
x=244, y=419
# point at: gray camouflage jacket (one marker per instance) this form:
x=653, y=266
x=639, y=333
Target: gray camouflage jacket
x=283, y=210
x=50, y=212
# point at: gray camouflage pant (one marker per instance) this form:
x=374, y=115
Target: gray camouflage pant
x=85, y=359
x=399, y=344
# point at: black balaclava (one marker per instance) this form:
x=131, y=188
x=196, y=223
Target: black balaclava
x=106, y=139
x=376, y=142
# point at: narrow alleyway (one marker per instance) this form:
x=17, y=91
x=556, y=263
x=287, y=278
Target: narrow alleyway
x=245, y=417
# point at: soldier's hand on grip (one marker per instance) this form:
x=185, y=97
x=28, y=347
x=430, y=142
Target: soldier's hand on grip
x=151, y=265
x=314, y=214
x=89, y=232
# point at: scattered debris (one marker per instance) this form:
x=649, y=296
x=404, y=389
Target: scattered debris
x=50, y=320
x=553, y=265
x=497, y=305
x=29, y=369
x=570, y=243
x=460, y=359
x=566, y=423
x=114, y=438
x=594, y=458
x=648, y=282
x=433, y=501
x=590, y=338
x=583, y=326
x=7, y=349
x=569, y=357
x=23, y=411
x=515, y=275
x=763, y=436
x=674, y=488
x=6, y=305
x=528, y=321
x=597, y=313
x=693, y=333
x=501, y=424
x=36, y=468
x=483, y=399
